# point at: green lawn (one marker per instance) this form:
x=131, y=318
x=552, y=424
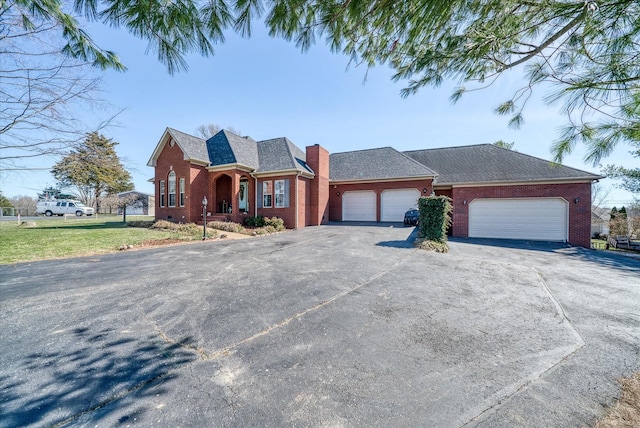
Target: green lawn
x=51, y=239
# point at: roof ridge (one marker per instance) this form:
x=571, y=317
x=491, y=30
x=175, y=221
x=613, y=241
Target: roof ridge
x=184, y=133
x=365, y=150
x=451, y=147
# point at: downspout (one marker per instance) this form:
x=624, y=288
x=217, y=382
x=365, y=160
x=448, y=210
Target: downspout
x=297, y=202
x=255, y=199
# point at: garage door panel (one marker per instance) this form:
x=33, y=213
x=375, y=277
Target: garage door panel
x=543, y=219
x=395, y=202
x=359, y=206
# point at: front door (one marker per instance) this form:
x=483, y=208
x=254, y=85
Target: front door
x=243, y=204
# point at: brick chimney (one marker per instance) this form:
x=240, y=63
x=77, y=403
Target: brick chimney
x=318, y=160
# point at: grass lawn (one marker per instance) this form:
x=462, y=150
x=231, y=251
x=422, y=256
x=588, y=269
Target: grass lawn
x=51, y=239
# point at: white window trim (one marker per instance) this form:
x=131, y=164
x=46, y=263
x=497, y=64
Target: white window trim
x=181, y=193
x=162, y=194
x=171, y=179
x=265, y=185
x=282, y=193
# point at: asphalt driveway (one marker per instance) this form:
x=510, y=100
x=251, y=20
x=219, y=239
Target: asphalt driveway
x=326, y=326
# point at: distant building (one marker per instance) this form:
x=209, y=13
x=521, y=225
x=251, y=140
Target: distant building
x=142, y=203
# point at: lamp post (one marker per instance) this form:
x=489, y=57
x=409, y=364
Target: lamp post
x=204, y=218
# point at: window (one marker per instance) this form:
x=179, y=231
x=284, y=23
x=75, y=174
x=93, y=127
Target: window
x=161, y=193
x=172, y=189
x=280, y=193
x=267, y=192
x=182, y=192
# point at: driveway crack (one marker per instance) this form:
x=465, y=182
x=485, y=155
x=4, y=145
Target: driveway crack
x=228, y=349
x=525, y=382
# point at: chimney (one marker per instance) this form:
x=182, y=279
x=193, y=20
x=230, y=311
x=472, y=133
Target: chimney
x=318, y=160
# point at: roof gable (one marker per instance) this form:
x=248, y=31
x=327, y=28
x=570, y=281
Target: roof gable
x=226, y=148
x=280, y=154
x=486, y=163
x=193, y=148
x=375, y=164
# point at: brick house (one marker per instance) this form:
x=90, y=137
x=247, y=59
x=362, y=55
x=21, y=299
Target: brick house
x=496, y=192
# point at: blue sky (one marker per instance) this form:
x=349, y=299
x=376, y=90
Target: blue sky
x=267, y=88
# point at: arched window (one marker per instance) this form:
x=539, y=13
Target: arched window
x=172, y=189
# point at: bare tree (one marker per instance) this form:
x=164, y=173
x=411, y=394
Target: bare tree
x=24, y=205
x=44, y=91
x=208, y=131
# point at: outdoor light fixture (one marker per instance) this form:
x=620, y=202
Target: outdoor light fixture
x=337, y=193
x=576, y=200
x=204, y=218
x=464, y=202
x=424, y=190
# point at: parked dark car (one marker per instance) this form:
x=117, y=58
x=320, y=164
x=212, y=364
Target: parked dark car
x=411, y=217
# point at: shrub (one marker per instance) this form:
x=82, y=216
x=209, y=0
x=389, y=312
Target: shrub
x=164, y=225
x=141, y=223
x=254, y=221
x=228, y=226
x=435, y=217
x=182, y=228
x=275, y=222
x=425, y=244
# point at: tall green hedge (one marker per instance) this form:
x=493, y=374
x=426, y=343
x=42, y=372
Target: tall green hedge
x=435, y=217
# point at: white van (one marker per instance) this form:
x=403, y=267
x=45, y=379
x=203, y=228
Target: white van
x=62, y=207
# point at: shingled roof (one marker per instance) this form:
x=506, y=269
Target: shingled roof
x=487, y=163
x=375, y=164
x=280, y=154
x=228, y=148
x=194, y=148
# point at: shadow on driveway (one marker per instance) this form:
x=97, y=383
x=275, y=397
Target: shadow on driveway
x=97, y=367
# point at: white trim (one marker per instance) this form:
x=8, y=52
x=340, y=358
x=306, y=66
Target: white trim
x=382, y=180
x=511, y=183
x=228, y=166
x=268, y=174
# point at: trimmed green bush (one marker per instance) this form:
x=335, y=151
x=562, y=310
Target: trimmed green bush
x=270, y=224
x=274, y=222
x=435, y=217
x=254, y=221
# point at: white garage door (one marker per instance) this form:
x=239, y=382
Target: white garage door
x=394, y=203
x=359, y=206
x=542, y=219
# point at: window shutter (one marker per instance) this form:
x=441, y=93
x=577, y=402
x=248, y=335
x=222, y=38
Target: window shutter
x=286, y=193
x=259, y=194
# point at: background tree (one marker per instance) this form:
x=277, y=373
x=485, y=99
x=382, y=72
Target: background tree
x=504, y=144
x=119, y=202
x=208, y=131
x=4, y=201
x=45, y=84
x=55, y=193
x=93, y=169
x=618, y=225
x=25, y=205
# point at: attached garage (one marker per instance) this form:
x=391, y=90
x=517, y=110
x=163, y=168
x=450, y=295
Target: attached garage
x=359, y=206
x=395, y=202
x=541, y=219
